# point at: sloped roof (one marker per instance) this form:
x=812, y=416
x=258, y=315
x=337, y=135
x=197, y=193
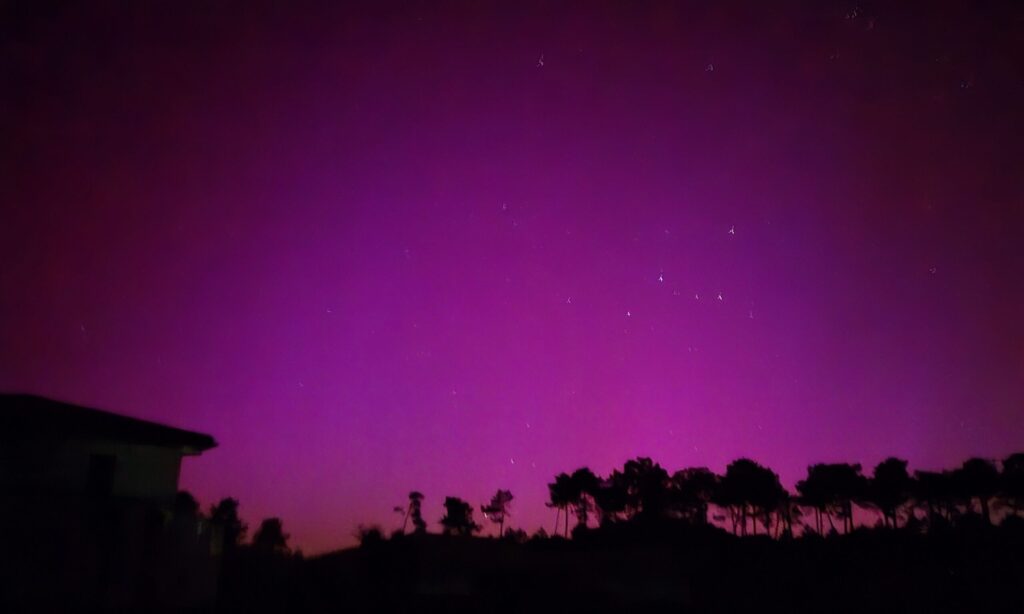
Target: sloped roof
x=25, y=416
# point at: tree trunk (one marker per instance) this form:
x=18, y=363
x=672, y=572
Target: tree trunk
x=558, y=511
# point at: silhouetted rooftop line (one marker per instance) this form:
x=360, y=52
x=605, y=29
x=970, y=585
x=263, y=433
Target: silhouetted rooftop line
x=25, y=416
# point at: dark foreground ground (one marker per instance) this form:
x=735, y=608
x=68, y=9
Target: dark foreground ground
x=636, y=569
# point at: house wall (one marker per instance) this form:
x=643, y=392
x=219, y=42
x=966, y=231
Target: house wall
x=142, y=471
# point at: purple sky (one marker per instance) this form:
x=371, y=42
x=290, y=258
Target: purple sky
x=454, y=250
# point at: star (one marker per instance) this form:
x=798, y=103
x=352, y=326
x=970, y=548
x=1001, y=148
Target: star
x=661, y=277
x=540, y=61
x=628, y=314
x=720, y=296
x=732, y=230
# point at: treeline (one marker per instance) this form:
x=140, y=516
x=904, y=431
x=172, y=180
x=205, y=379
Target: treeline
x=749, y=498
x=260, y=573
x=269, y=537
x=752, y=500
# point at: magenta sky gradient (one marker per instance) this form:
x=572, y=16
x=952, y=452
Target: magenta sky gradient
x=379, y=250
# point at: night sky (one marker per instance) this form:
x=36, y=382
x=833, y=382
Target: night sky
x=462, y=248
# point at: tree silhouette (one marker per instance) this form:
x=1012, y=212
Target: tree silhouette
x=270, y=537
x=458, y=518
x=772, y=501
x=848, y=487
x=583, y=491
x=610, y=498
x=185, y=505
x=498, y=509
x=693, y=490
x=979, y=479
x=415, y=512
x=832, y=488
x=890, y=488
x=814, y=494
x=646, y=486
x=750, y=490
x=404, y=511
x=787, y=513
x=561, y=496
x=936, y=492
x=1012, y=481
x=225, y=514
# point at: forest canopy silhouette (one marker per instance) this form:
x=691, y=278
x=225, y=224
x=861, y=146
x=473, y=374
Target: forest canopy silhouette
x=751, y=499
x=844, y=539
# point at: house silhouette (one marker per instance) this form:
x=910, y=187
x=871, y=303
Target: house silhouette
x=92, y=495
x=59, y=448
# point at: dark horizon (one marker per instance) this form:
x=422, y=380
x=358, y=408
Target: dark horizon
x=103, y=526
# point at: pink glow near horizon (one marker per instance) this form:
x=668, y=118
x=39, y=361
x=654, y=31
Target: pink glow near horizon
x=378, y=251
